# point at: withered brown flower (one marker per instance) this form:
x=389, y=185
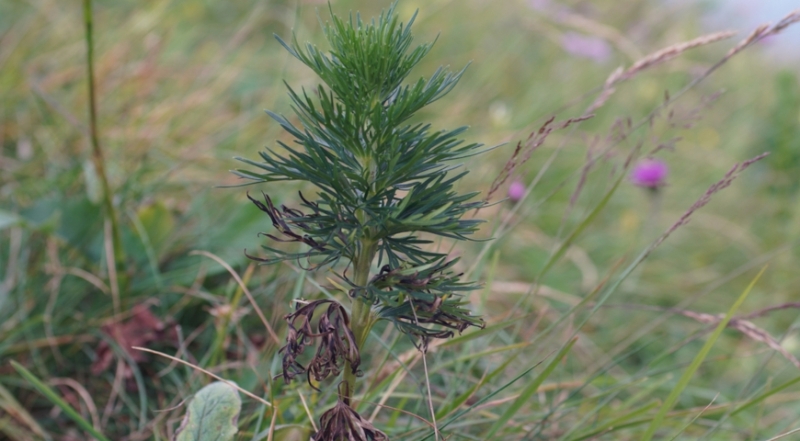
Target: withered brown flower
x=337, y=343
x=342, y=423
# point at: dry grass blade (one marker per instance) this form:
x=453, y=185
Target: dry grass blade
x=274, y=418
x=523, y=151
x=746, y=327
x=723, y=183
x=10, y=406
x=414, y=357
x=198, y=368
x=671, y=52
x=397, y=409
x=243, y=287
x=765, y=30
x=783, y=435
x=549, y=387
x=427, y=379
x=85, y=396
x=308, y=411
x=653, y=59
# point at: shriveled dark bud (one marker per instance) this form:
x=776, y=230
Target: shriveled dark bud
x=342, y=423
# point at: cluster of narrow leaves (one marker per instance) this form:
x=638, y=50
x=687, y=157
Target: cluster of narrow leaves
x=383, y=188
x=415, y=296
x=378, y=179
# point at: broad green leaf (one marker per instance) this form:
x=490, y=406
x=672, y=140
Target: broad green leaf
x=212, y=414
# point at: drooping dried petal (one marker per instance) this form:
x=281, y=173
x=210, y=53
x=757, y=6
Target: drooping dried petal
x=342, y=423
x=336, y=346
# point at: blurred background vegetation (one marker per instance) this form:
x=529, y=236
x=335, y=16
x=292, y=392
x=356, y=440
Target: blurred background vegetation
x=181, y=89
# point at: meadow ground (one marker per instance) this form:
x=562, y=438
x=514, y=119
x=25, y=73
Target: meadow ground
x=180, y=90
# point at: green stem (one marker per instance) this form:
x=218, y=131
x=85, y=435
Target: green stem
x=361, y=317
x=54, y=398
x=97, y=152
x=218, y=347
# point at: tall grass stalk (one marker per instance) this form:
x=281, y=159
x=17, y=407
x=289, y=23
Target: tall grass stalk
x=98, y=159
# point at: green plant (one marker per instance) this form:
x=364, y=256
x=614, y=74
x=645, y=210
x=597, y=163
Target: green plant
x=212, y=414
x=384, y=188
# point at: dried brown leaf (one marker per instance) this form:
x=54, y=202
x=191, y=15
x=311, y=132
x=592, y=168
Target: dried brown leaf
x=140, y=329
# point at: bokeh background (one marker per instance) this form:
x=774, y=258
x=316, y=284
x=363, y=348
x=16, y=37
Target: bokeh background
x=181, y=89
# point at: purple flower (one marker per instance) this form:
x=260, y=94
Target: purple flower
x=516, y=191
x=649, y=173
x=584, y=46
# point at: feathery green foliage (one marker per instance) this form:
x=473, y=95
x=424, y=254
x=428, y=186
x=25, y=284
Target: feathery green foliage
x=381, y=184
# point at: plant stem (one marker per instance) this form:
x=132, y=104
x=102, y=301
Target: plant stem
x=361, y=318
x=218, y=347
x=97, y=152
x=54, y=398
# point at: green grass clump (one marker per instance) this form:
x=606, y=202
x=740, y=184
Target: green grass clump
x=592, y=332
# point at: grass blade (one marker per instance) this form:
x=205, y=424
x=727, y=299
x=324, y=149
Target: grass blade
x=11, y=406
x=698, y=359
x=764, y=396
x=481, y=401
x=51, y=395
x=530, y=389
x=615, y=424
x=574, y=235
x=461, y=399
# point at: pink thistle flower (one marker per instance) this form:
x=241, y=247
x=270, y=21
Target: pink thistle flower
x=516, y=191
x=649, y=173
